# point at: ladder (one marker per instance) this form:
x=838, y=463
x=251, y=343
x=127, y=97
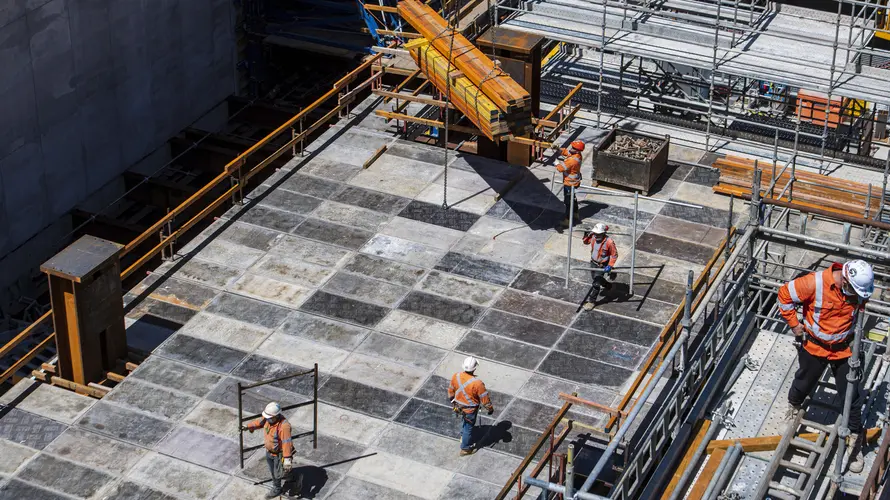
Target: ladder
x=807, y=473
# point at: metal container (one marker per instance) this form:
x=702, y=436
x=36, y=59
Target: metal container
x=629, y=172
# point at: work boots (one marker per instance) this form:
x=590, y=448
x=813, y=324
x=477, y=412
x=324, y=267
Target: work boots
x=274, y=493
x=857, y=461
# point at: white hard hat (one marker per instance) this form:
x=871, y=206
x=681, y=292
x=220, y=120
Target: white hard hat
x=470, y=364
x=861, y=277
x=272, y=410
x=600, y=228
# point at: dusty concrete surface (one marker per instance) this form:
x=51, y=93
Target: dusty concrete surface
x=387, y=294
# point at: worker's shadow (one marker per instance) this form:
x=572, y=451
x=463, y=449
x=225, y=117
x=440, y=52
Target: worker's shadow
x=487, y=435
x=305, y=482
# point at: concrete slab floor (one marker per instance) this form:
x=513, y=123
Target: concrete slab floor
x=389, y=293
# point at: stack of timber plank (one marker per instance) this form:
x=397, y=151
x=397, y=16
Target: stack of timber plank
x=465, y=96
x=506, y=94
x=809, y=189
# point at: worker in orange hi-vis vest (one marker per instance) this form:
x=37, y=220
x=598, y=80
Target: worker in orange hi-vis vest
x=603, y=255
x=278, y=443
x=830, y=301
x=570, y=168
x=467, y=393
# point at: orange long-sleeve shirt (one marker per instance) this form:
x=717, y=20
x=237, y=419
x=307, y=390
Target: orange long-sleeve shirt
x=469, y=392
x=605, y=252
x=276, y=437
x=570, y=168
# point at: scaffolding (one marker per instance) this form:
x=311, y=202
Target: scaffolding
x=733, y=70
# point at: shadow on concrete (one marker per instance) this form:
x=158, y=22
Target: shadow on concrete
x=490, y=435
x=306, y=482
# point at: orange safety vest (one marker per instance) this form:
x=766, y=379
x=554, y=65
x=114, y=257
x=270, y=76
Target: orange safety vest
x=570, y=168
x=828, y=318
x=276, y=437
x=604, y=252
x=468, y=392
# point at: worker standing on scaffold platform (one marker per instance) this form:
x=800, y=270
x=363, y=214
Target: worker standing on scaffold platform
x=831, y=301
x=570, y=168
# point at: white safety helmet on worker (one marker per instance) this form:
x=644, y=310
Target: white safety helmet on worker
x=470, y=364
x=272, y=410
x=600, y=228
x=859, y=279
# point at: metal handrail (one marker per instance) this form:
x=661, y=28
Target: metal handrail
x=231, y=168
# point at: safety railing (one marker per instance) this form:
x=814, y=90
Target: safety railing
x=237, y=172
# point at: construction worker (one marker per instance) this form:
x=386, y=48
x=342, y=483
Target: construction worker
x=570, y=168
x=603, y=255
x=831, y=301
x=466, y=394
x=279, y=447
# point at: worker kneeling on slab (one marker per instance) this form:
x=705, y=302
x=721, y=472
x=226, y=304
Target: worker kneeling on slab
x=279, y=446
x=831, y=301
x=603, y=255
x=467, y=393
x=570, y=168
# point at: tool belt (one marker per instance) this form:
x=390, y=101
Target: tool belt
x=836, y=347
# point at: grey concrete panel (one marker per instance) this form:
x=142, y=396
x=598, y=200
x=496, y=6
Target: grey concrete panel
x=617, y=327
x=612, y=214
x=410, y=252
x=616, y=301
x=258, y=368
x=500, y=349
x=201, y=353
x=529, y=414
x=68, y=477
x=706, y=215
x=401, y=350
x=95, y=450
x=334, y=333
x=433, y=214
x=271, y=218
x=603, y=349
x=386, y=270
x=421, y=447
x=681, y=229
x=291, y=202
x=143, y=306
x=520, y=328
x=286, y=268
x=490, y=466
x=550, y=286
x=153, y=400
x=311, y=186
x=332, y=453
x=476, y=268
x=38, y=398
x=460, y=288
x=124, y=424
x=208, y=273
x=467, y=488
x=533, y=216
x=16, y=489
x=28, y=429
x=335, y=234
x=436, y=418
x=12, y=456
x=178, y=477
x=254, y=400
x=174, y=291
x=248, y=310
x=361, y=398
x=131, y=491
x=441, y=308
x=372, y=200
x=343, y=308
x=195, y=446
x=536, y=307
x=584, y=370
x=310, y=251
x=316, y=481
x=250, y=236
x=677, y=249
x=351, y=488
x=546, y=390
x=359, y=287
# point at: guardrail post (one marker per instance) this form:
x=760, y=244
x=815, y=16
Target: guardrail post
x=240, y=431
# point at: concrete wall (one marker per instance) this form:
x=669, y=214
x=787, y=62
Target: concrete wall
x=89, y=87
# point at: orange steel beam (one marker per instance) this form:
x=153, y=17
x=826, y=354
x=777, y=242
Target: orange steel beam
x=563, y=102
x=229, y=169
x=703, y=427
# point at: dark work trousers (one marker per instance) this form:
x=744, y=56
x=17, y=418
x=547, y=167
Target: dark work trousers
x=570, y=200
x=600, y=281
x=811, y=368
x=277, y=470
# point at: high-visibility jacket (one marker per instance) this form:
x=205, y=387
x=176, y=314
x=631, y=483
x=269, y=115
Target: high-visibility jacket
x=604, y=253
x=828, y=317
x=468, y=392
x=276, y=437
x=570, y=168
